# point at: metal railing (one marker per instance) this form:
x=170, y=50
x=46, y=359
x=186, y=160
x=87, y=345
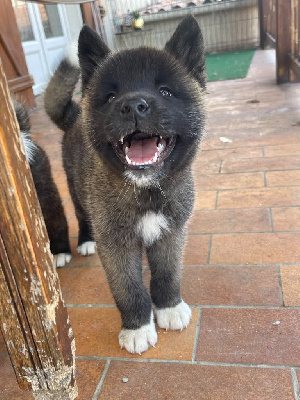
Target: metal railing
x=279, y=26
x=268, y=20
x=227, y=25
x=295, y=33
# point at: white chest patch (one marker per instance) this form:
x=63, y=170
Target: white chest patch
x=150, y=227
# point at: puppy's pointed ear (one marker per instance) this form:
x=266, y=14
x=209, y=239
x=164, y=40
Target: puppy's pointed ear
x=187, y=46
x=91, y=51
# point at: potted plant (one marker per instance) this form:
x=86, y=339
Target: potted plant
x=137, y=22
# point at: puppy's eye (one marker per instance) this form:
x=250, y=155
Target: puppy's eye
x=110, y=98
x=165, y=92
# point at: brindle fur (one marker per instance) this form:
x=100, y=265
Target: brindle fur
x=108, y=205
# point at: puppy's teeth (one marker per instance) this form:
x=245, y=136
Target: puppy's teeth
x=126, y=150
x=160, y=147
x=128, y=160
x=160, y=137
x=155, y=158
x=121, y=140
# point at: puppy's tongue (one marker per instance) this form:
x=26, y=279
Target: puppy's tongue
x=143, y=150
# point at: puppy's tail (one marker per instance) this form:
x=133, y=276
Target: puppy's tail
x=24, y=126
x=58, y=102
x=22, y=116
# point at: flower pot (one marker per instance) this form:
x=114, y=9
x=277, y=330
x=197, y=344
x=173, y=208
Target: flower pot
x=138, y=23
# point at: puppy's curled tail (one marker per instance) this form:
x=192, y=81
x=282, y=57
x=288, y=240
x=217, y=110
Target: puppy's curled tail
x=58, y=102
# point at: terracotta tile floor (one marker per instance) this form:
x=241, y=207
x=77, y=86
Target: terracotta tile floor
x=241, y=264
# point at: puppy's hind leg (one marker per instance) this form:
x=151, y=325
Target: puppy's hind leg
x=165, y=258
x=86, y=244
x=52, y=208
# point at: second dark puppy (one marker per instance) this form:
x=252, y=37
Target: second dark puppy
x=47, y=192
x=127, y=151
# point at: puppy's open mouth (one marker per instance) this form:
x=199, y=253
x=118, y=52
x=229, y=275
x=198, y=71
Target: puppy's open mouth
x=140, y=150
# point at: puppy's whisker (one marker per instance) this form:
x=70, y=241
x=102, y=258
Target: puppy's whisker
x=161, y=191
x=137, y=202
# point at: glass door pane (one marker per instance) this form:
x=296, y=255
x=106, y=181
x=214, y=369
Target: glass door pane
x=23, y=20
x=50, y=20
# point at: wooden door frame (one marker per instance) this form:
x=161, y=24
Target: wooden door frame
x=11, y=52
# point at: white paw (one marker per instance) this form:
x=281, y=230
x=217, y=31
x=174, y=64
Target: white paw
x=87, y=248
x=61, y=259
x=177, y=317
x=138, y=340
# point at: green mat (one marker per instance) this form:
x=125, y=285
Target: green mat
x=232, y=65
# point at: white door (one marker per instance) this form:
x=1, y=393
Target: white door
x=45, y=34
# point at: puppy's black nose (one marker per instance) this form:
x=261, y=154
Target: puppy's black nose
x=139, y=107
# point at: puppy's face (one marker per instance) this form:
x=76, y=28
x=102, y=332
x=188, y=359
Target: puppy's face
x=143, y=112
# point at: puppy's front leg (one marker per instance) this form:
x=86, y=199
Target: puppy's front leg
x=165, y=259
x=122, y=264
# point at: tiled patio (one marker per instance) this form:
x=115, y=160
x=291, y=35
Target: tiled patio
x=241, y=264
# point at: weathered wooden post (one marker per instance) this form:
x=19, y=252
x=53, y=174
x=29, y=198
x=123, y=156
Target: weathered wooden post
x=33, y=316
x=262, y=24
x=283, y=40
x=295, y=45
